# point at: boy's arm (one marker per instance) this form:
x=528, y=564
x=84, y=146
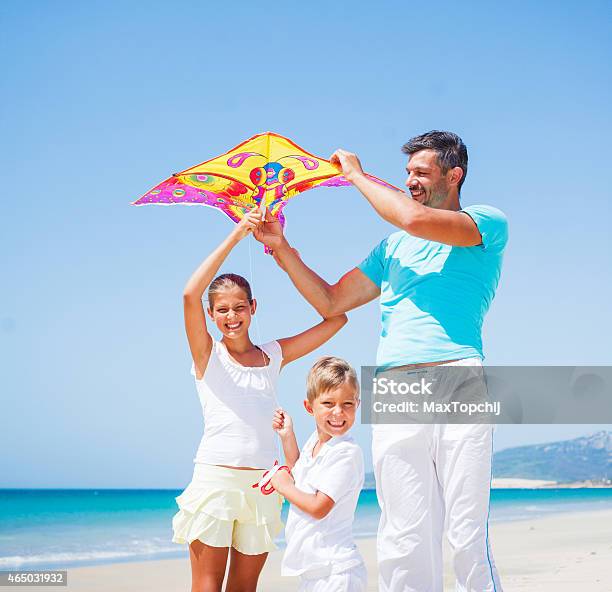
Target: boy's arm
x=342, y=473
x=282, y=424
x=318, y=505
x=291, y=449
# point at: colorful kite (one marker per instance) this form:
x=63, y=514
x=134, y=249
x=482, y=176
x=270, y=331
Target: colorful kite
x=266, y=171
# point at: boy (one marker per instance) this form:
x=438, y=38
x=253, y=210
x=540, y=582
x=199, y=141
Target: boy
x=328, y=477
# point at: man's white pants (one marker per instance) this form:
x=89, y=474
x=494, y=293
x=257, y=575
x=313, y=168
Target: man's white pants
x=430, y=478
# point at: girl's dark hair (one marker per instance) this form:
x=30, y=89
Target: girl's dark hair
x=225, y=281
x=449, y=148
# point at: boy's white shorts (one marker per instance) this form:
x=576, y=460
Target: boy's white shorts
x=352, y=580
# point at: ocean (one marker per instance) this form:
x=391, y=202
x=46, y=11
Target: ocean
x=54, y=528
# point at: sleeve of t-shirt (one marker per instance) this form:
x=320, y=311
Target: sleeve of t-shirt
x=193, y=373
x=374, y=264
x=343, y=472
x=492, y=225
x=274, y=351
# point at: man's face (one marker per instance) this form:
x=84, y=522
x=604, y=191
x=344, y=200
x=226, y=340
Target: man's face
x=426, y=181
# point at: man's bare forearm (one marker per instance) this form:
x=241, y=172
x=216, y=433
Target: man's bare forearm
x=393, y=206
x=310, y=285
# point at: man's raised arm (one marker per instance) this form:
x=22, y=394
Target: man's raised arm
x=352, y=290
x=432, y=223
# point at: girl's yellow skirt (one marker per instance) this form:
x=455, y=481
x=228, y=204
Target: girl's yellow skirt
x=221, y=508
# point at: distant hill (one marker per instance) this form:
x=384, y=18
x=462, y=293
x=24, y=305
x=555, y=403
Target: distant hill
x=588, y=458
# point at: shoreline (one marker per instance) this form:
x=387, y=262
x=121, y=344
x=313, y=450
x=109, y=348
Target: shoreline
x=559, y=552
x=526, y=507
x=496, y=483
x=519, y=483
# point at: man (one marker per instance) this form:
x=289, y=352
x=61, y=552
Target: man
x=435, y=278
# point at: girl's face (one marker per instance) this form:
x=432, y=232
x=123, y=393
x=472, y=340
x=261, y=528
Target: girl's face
x=232, y=312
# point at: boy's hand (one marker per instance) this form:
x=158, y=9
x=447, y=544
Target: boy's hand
x=282, y=423
x=251, y=221
x=281, y=480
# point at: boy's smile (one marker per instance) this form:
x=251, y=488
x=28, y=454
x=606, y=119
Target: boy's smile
x=334, y=411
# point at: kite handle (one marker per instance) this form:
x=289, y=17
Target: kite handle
x=264, y=484
x=262, y=209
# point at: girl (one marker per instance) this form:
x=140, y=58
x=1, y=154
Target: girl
x=220, y=514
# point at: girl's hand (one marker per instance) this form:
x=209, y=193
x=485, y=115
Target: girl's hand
x=270, y=233
x=252, y=219
x=282, y=423
x=281, y=480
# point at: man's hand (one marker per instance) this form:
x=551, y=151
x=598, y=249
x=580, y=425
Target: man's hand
x=347, y=163
x=270, y=233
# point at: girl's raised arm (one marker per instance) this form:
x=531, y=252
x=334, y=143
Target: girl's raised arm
x=299, y=345
x=200, y=341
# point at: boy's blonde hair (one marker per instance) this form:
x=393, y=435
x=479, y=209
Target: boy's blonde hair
x=329, y=373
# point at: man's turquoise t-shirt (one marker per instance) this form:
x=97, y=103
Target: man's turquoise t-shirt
x=433, y=297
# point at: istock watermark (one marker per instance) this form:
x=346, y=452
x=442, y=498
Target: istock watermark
x=384, y=386
x=493, y=394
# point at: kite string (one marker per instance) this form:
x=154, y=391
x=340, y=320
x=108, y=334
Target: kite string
x=270, y=381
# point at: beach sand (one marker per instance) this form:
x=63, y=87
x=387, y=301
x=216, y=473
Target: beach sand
x=565, y=552
x=505, y=483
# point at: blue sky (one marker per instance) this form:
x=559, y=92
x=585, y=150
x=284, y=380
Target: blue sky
x=102, y=101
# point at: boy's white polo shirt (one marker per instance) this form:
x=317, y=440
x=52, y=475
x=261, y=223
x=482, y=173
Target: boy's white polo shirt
x=319, y=548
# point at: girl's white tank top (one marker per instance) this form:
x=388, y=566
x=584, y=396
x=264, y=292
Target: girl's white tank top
x=238, y=403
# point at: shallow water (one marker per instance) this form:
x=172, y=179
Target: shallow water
x=45, y=528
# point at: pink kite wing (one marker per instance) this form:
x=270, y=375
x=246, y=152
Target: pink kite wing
x=340, y=181
x=227, y=195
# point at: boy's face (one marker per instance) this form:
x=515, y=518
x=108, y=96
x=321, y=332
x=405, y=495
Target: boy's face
x=334, y=411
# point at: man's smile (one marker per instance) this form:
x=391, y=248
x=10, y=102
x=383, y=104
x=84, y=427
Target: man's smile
x=417, y=193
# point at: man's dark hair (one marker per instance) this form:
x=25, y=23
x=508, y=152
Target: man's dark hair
x=449, y=147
